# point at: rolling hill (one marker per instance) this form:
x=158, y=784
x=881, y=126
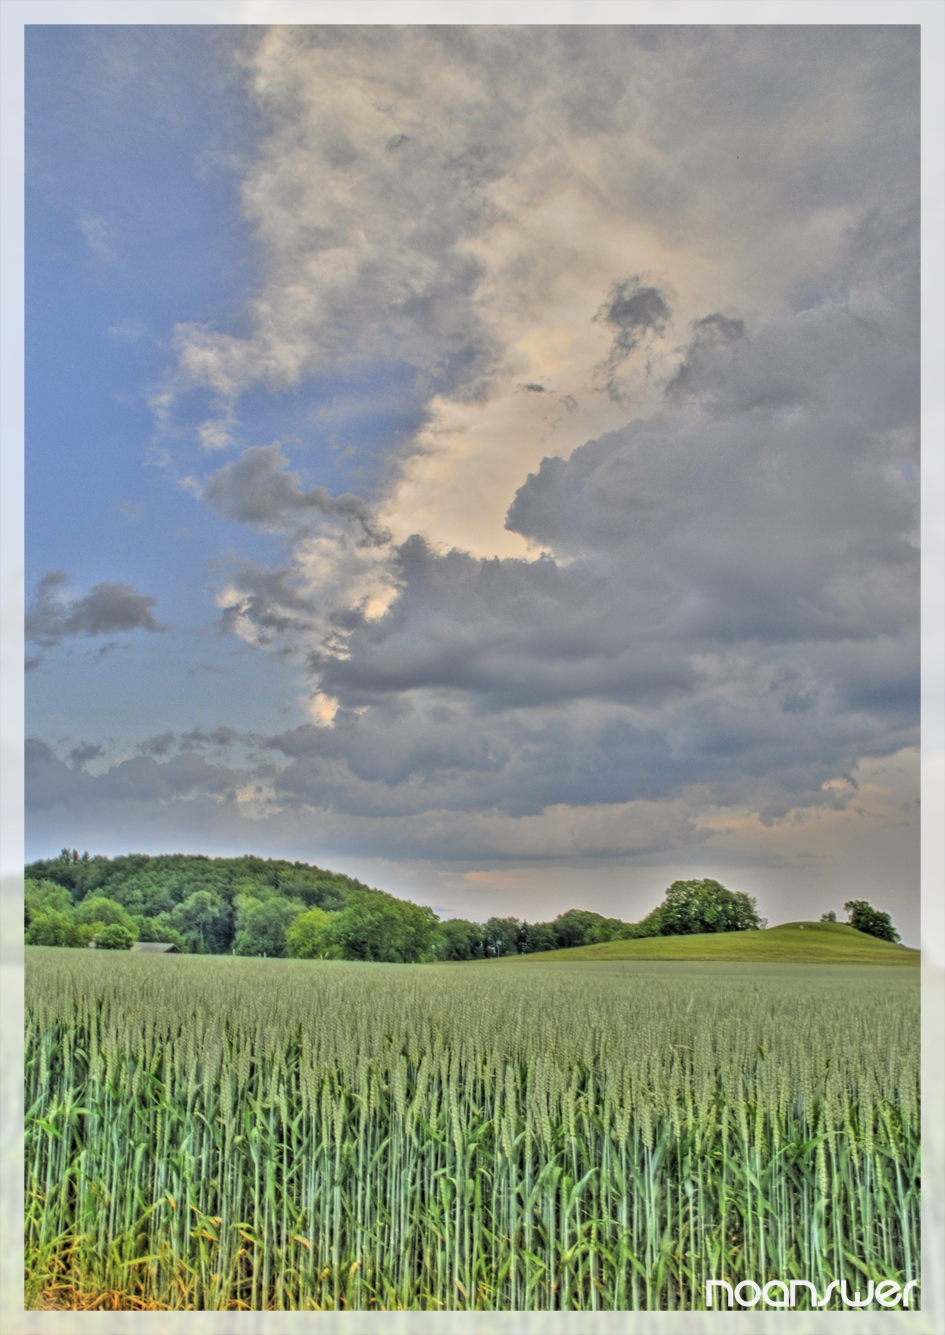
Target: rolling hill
x=788, y=943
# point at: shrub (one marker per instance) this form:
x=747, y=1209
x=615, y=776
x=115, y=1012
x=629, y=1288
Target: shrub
x=114, y=937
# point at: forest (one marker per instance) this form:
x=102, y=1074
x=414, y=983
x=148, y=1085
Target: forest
x=274, y=908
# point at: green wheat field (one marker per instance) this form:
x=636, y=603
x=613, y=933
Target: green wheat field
x=222, y=1133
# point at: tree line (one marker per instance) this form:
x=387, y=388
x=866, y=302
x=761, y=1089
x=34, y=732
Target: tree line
x=276, y=908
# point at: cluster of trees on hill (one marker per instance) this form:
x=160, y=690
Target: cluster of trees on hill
x=203, y=905
x=862, y=916
x=689, y=906
x=252, y=906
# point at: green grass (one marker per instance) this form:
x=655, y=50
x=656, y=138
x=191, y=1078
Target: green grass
x=788, y=943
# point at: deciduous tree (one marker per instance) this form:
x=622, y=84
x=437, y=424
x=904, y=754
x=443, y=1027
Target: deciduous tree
x=871, y=921
x=706, y=906
x=308, y=937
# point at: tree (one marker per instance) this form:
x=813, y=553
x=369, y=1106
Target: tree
x=575, y=927
x=114, y=937
x=829, y=916
x=155, y=888
x=376, y=926
x=53, y=928
x=584, y=927
x=98, y=909
x=871, y=921
x=205, y=923
x=648, y=926
x=44, y=897
x=308, y=936
x=262, y=926
x=706, y=906
x=500, y=936
x=458, y=939
x=535, y=937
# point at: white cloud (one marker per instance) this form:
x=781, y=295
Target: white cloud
x=98, y=234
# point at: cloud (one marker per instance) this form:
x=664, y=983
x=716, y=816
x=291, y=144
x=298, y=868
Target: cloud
x=99, y=236
x=727, y=595
x=107, y=607
x=633, y=310
x=138, y=779
x=159, y=745
x=220, y=737
x=559, y=618
x=195, y=740
x=381, y=233
x=258, y=489
x=130, y=331
x=81, y=755
x=712, y=335
x=424, y=222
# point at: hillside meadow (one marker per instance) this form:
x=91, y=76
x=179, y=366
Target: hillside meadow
x=601, y=1134
x=789, y=943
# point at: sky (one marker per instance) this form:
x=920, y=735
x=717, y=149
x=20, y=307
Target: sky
x=480, y=459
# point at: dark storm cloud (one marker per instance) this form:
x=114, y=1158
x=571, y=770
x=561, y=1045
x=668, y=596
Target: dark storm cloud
x=712, y=334
x=50, y=782
x=633, y=310
x=258, y=489
x=510, y=632
x=270, y=601
x=729, y=598
x=106, y=608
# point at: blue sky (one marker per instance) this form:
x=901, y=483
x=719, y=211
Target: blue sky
x=125, y=231
x=483, y=460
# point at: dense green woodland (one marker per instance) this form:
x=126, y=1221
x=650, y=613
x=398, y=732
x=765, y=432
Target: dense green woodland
x=256, y=906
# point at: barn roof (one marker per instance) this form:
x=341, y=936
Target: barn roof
x=157, y=947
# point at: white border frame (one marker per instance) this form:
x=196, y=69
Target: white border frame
x=14, y=14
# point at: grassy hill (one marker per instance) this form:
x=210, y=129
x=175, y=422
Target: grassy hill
x=789, y=943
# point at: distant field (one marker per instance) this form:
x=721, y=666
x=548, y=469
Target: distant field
x=789, y=943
